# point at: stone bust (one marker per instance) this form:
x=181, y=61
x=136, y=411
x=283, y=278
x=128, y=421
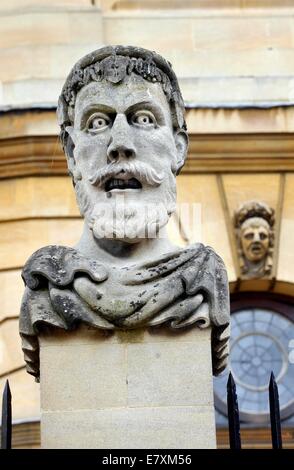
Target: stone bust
x=254, y=222
x=123, y=131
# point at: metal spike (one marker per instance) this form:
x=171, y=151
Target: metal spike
x=275, y=413
x=6, y=418
x=233, y=414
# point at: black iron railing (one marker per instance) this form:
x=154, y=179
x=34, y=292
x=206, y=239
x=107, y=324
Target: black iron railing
x=6, y=423
x=275, y=413
x=233, y=415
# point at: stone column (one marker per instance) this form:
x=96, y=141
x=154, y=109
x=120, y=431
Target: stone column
x=147, y=388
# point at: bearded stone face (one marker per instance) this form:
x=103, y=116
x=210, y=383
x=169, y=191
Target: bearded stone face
x=255, y=238
x=126, y=155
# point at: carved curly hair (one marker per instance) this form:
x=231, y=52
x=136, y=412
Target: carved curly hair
x=114, y=63
x=254, y=209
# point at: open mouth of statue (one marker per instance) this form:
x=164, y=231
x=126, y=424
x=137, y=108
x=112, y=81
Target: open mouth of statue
x=116, y=183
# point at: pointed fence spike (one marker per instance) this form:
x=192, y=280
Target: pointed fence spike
x=231, y=381
x=6, y=418
x=233, y=414
x=7, y=388
x=275, y=413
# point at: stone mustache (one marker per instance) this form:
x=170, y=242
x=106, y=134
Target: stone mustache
x=123, y=130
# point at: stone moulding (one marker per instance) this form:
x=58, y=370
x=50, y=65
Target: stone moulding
x=184, y=289
x=43, y=155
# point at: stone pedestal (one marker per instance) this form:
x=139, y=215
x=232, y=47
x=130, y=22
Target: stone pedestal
x=135, y=389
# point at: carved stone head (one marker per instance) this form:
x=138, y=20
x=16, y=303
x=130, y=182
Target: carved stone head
x=122, y=123
x=254, y=223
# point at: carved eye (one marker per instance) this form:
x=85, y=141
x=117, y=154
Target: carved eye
x=263, y=236
x=249, y=236
x=144, y=119
x=97, y=122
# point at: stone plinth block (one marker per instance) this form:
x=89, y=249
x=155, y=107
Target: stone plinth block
x=135, y=389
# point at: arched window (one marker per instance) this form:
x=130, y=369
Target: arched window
x=262, y=340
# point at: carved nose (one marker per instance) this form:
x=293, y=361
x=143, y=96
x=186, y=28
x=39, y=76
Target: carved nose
x=121, y=144
x=119, y=152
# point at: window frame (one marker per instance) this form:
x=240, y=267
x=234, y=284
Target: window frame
x=281, y=304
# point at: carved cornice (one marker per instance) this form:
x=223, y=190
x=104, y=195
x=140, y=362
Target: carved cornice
x=238, y=153
x=32, y=155
x=29, y=144
x=43, y=155
x=129, y=5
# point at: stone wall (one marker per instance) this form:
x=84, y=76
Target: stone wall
x=226, y=53
x=235, y=61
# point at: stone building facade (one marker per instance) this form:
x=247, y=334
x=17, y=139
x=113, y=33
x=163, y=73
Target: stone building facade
x=235, y=62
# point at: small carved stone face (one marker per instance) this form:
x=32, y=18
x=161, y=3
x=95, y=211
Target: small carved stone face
x=255, y=238
x=125, y=148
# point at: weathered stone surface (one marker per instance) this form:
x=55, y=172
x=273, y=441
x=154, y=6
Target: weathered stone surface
x=123, y=130
x=92, y=369
x=83, y=376
x=227, y=55
x=131, y=389
x=168, y=290
x=179, y=376
x=14, y=252
x=132, y=428
x=10, y=347
x=286, y=253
